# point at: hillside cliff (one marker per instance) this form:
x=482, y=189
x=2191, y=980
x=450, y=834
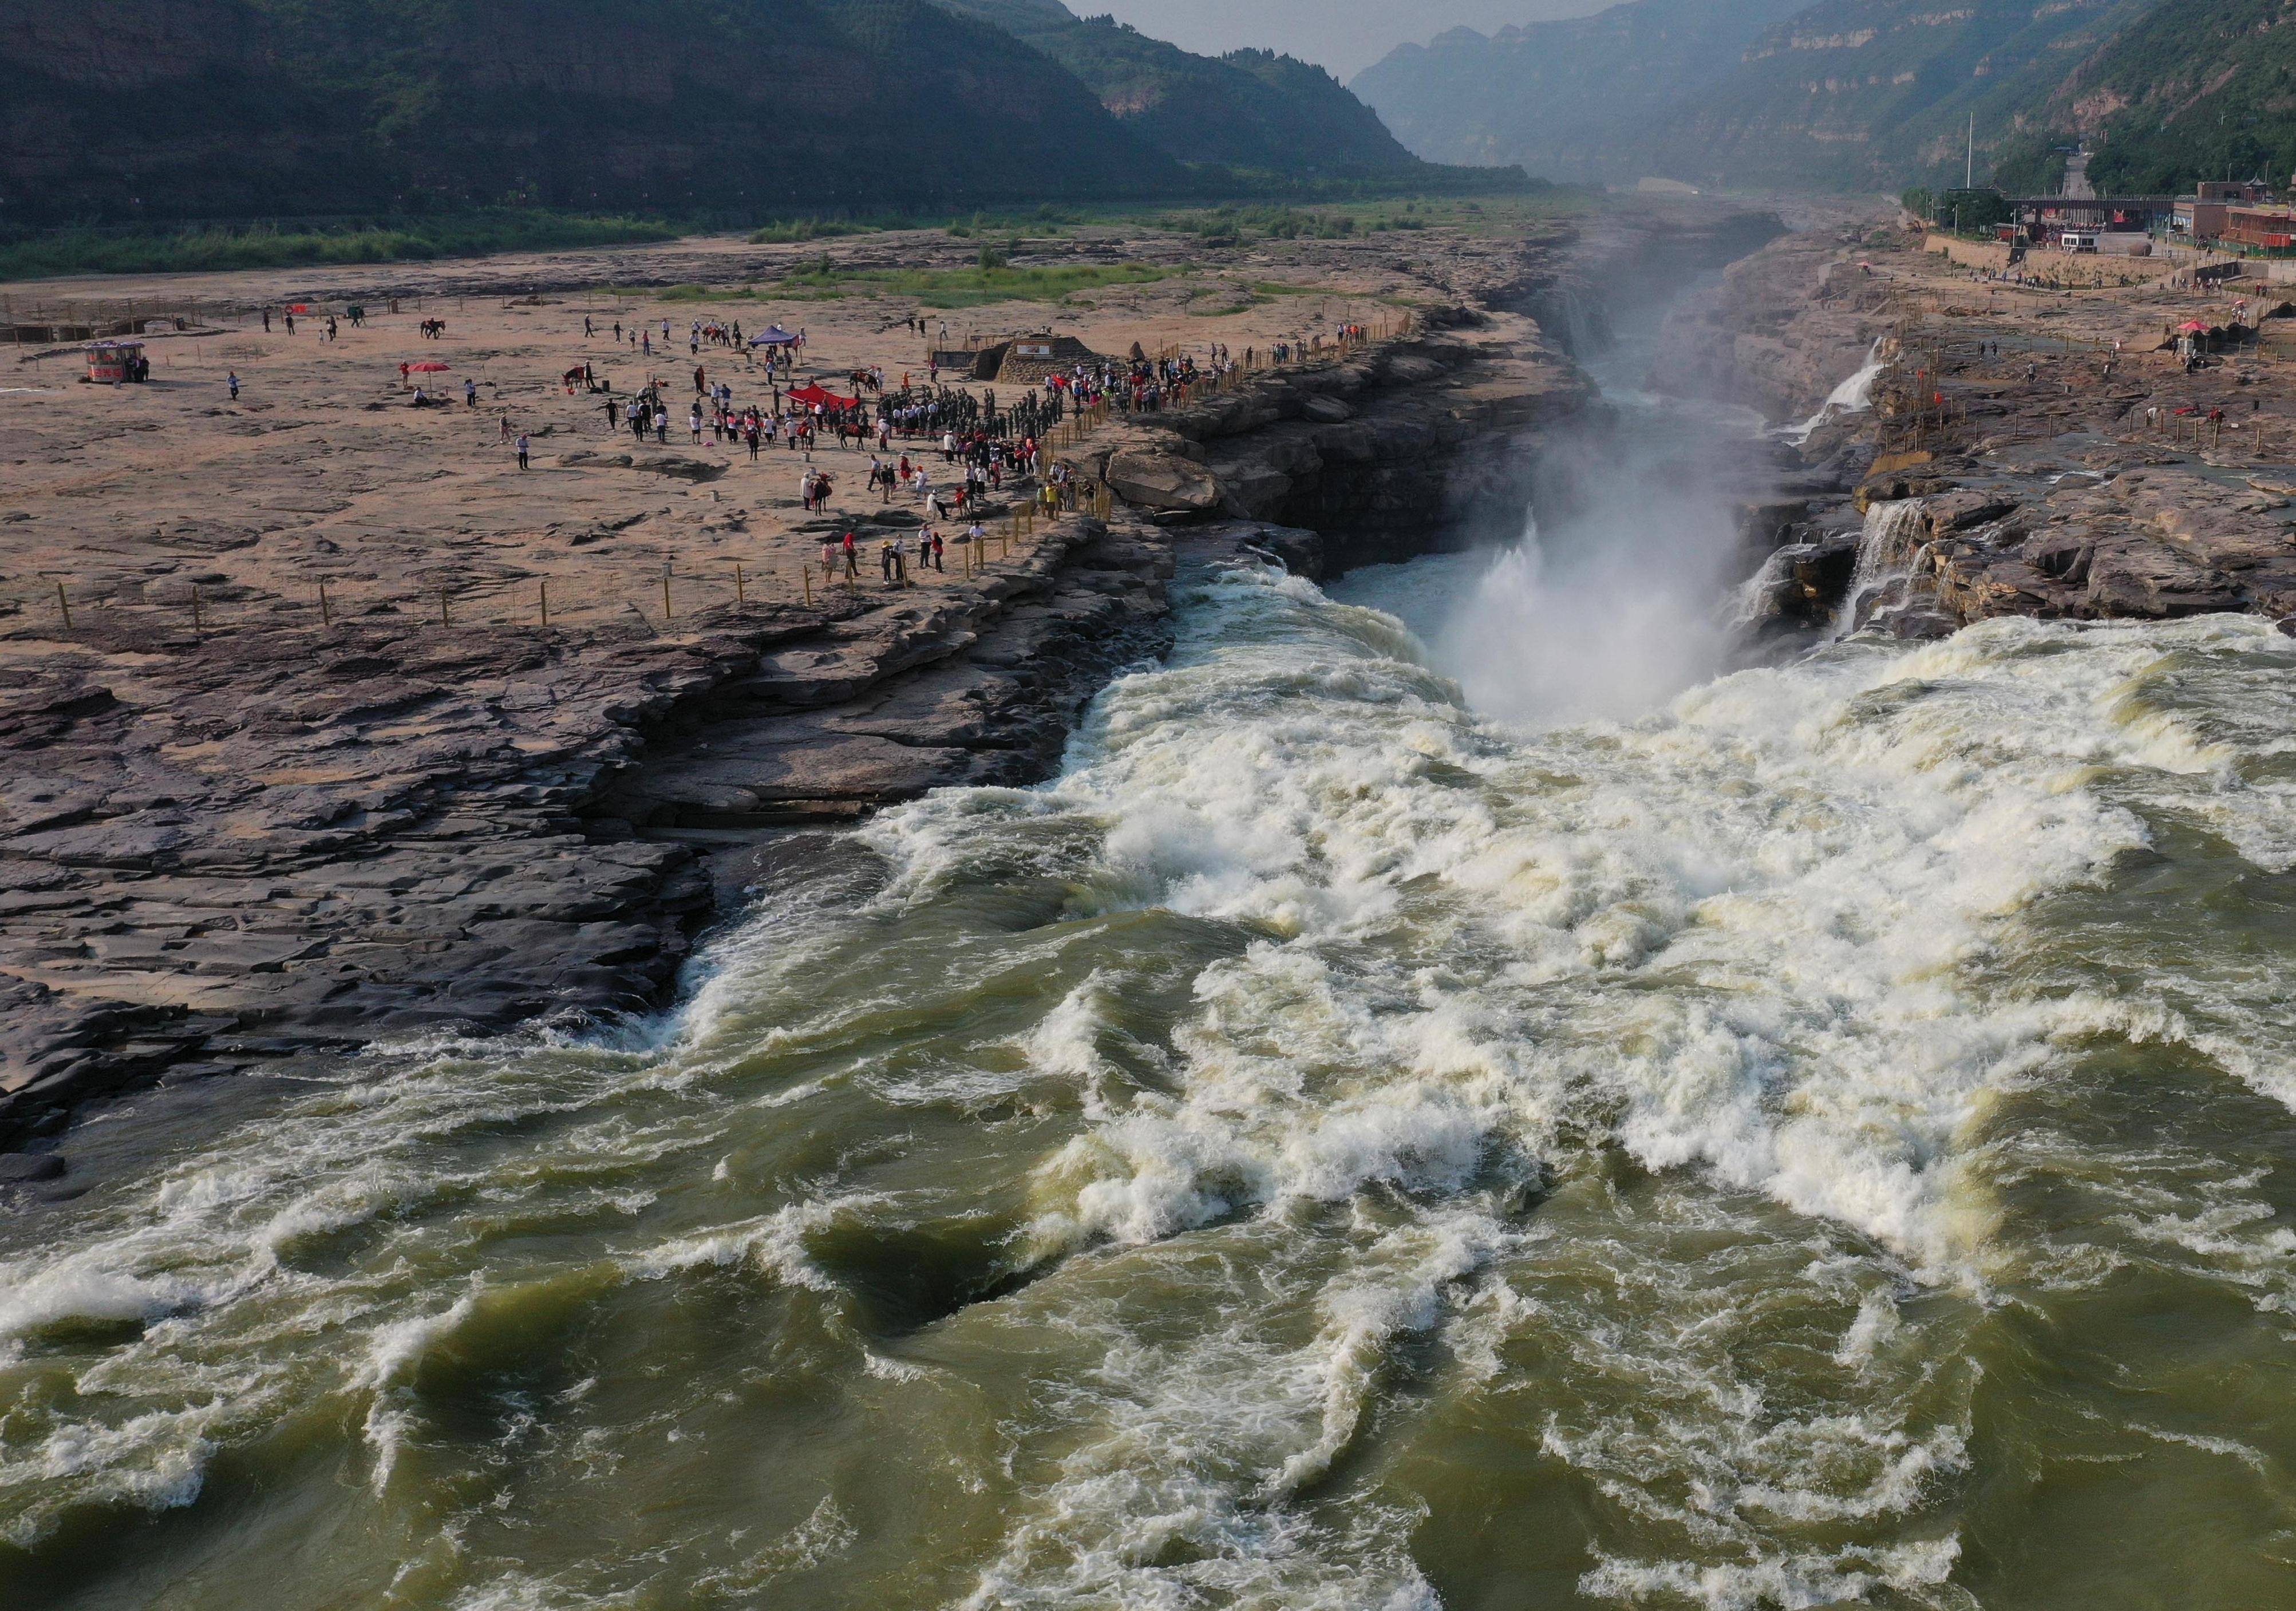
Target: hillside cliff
x=122, y=110
x=1841, y=95
x=1873, y=94
x=2199, y=89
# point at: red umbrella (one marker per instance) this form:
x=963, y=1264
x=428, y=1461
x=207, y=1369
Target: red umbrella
x=427, y=367
x=2194, y=324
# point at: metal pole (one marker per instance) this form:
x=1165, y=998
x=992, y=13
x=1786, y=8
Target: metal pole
x=64, y=604
x=546, y=606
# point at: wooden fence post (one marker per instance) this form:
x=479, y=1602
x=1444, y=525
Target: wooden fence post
x=64, y=604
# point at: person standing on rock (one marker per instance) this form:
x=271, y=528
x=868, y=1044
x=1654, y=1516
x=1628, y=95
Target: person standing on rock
x=852, y=560
x=661, y=424
x=522, y=449
x=267, y=321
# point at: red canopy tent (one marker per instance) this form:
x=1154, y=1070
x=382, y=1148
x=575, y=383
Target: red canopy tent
x=818, y=393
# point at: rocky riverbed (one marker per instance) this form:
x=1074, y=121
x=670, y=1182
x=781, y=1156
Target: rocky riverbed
x=234, y=835
x=244, y=822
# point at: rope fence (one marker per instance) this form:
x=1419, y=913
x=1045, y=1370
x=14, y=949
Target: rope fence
x=76, y=604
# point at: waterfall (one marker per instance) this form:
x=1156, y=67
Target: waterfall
x=1746, y=603
x=1852, y=396
x=1574, y=320
x=1882, y=557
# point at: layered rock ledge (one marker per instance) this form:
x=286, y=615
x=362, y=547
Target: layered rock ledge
x=2025, y=450
x=231, y=839
x=231, y=844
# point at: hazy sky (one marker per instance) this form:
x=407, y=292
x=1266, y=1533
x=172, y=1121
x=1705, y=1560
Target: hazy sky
x=1345, y=36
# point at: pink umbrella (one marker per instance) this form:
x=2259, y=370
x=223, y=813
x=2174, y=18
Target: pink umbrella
x=427, y=367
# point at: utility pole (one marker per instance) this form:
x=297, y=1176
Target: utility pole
x=1969, y=176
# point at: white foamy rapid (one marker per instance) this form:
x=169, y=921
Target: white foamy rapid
x=1342, y=1138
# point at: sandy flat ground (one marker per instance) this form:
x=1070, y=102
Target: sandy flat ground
x=321, y=474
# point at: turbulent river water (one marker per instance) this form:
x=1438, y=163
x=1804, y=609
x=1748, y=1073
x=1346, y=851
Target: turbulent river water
x=1443, y=1102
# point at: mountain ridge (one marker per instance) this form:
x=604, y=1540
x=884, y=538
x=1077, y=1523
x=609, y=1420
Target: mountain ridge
x=1251, y=111
x=162, y=112
x=1798, y=94
x=1585, y=99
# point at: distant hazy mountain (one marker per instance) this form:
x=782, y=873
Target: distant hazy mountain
x=1829, y=95
x=1251, y=110
x=1590, y=99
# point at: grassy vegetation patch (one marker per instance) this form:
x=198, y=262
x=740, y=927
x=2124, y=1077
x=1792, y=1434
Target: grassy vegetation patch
x=785, y=231
x=993, y=281
x=258, y=246
x=1234, y=224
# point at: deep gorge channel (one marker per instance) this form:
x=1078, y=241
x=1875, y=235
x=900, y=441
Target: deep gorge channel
x=1448, y=1097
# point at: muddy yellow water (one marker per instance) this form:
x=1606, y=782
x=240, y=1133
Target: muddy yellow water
x=1820, y=1138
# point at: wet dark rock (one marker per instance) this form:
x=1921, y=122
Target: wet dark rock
x=1386, y=453
x=1302, y=552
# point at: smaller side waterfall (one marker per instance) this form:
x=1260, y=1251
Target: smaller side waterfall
x=1853, y=396
x=1752, y=601
x=1884, y=556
